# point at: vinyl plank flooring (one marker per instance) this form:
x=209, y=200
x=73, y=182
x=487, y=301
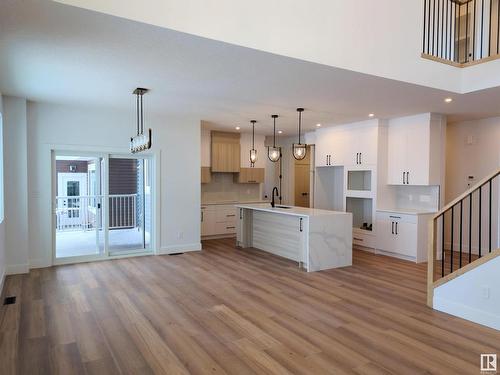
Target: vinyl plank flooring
x=230, y=311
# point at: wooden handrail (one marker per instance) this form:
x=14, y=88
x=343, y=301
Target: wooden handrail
x=466, y=193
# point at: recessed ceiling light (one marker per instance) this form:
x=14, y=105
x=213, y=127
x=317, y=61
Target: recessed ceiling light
x=371, y=115
x=318, y=125
x=448, y=100
x=237, y=128
x=280, y=131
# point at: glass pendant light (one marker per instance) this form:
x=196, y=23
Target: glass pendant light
x=274, y=153
x=253, y=151
x=299, y=150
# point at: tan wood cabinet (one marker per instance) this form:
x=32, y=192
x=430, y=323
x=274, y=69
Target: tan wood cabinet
x=225, y=152
x=250, y=176
x=206, y=175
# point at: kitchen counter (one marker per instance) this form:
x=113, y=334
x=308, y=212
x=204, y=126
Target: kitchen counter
x=215, y=203
x=316, y=239
x=406, y=211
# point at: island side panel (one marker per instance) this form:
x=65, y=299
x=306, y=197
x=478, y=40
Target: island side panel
x=330, y=242
x=277, y=234
x=244, y=228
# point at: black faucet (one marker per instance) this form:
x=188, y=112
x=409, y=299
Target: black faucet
x=277, y=194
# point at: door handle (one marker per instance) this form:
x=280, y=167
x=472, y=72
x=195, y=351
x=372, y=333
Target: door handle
x=392, y=227
x=305, y=194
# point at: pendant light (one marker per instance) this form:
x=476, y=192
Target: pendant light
x=140, y=142
x=253, y=151
x=274, y=153
x=299, y=150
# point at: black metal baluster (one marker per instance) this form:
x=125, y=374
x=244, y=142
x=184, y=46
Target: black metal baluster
x=452, y=237
x=470, y=227
x=425, y=26
x=442, y=28
x=474, y=34
x=467, y=33
x=489, y=39
x=461, y=230
x=480, y=214
x=433, y=27
x=442, y=248
x=489, y=223
x=446, y=46
x=498, y=26
x=482, y=29
x=459, y=33
x=429, y=28
x=437, y=29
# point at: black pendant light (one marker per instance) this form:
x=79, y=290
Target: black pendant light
x=140, y=142
x=299, y=150
x=253, y=151
x=274, y=153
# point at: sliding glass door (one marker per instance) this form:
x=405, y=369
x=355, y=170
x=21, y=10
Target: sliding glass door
x=102, y=206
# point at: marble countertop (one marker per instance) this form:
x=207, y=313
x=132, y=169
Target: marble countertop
x=406, y=211
x=233, y=202
x=294, y=211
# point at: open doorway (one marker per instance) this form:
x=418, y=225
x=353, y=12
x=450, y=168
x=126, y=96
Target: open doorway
x=302, y=182
x=103, y=206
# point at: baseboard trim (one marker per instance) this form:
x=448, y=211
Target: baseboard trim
x=172, y=249
x=2, y=281
x=38, y=263
x=468, y=313
x=16, y=269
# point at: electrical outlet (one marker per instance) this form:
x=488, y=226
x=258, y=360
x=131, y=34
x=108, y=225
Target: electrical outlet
x=485, y=292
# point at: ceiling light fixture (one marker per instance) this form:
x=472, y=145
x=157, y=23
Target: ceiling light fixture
x=318, y=125
x=371, y=115
x=237, y=128
x=299, y=150
x=141, y=141
x=280, y=131
x=253, y=151
x=274, y=153
x=448, y=100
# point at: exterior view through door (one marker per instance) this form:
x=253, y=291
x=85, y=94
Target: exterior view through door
x=102, y=206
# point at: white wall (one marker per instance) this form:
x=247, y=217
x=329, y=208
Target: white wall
x=49, y=126
x=2, y=218
x=474, y=296
x=16, y=177
x=382, y=38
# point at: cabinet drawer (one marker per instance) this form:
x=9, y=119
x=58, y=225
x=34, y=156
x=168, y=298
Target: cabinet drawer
x=225, y=215
x=225, y=228
x=361, y=240
x=395, y=216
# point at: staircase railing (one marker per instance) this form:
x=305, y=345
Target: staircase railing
x=464, y=231
x=461, y=32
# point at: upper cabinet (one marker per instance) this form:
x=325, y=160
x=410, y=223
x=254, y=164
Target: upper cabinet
x=225, y=152
x=205, y=148
x=415, y=150
x=348, y=145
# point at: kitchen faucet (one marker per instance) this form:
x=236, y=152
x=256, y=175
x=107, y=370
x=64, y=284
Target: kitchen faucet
x=277, y=194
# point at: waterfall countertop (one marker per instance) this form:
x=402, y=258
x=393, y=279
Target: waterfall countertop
x=290, y=210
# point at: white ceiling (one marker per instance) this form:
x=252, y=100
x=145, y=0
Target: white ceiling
x=56, y=53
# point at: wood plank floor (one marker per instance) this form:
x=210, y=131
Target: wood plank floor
x=227, y=311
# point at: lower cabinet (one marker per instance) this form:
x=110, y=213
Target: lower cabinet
x=218, y=220
x=403, y=235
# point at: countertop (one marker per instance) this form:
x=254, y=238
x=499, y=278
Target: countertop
x=293, y=211
x=233, y=202
x=406, y=211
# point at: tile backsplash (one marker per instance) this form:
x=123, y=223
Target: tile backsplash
x=417, y=197
x=222, y=188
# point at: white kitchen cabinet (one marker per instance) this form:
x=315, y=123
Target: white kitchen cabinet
x=330, y=147
x=415, y=150
x=403, y=235
x=361, y=145
x=218, y=220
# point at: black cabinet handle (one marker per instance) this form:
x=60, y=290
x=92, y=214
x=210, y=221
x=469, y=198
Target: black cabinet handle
x=404, y=178
x=357, y=157
x=241, y=213
x=396, y=227
x=407, y=178
x=392, y=227
x=300, y=224
x=232, y=215
x=230, y=227
x=201, y=215
x=360, y=157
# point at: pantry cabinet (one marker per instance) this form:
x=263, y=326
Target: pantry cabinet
x=415, y=154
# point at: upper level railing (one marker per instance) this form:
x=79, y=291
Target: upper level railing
x=465, y=230
x=461, y=32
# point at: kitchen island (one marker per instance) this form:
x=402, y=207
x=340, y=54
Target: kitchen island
x=316, y=239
